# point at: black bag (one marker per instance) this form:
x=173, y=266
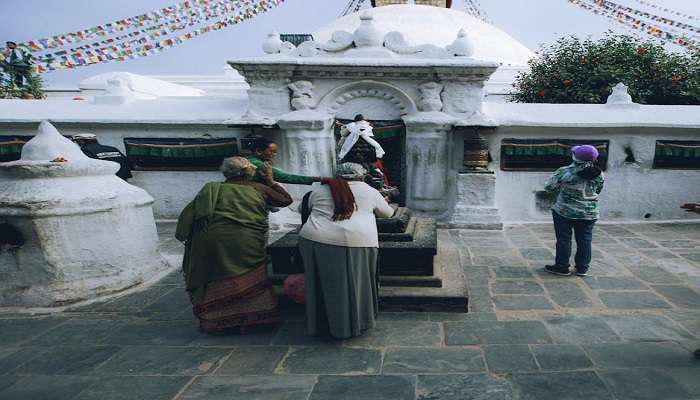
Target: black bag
x=589, y=172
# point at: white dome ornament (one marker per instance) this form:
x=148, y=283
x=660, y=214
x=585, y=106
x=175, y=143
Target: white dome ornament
x=274, y=45
x=367, y=34
x=462, y=46
x=620, y=98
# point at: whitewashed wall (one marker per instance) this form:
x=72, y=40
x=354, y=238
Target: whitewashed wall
x=632, y=190
x=172, y=190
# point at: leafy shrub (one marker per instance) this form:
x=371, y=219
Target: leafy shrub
x=576, y=71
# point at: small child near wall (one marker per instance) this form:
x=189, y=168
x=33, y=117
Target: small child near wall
x=577, y=187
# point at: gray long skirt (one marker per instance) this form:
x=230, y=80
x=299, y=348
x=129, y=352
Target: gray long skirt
x=341, y=288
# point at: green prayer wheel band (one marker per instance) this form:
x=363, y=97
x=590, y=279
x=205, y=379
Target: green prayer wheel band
x=223, y=150
x=11, y=149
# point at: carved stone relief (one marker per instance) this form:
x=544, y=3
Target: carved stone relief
x=430, y=96
x=302, y=95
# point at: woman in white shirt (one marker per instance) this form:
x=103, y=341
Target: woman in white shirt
x=339, y=245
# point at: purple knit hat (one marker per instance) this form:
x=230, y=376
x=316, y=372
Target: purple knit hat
x=585, y=152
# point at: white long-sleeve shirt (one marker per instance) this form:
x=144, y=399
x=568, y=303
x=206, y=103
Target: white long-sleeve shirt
x=360, y=230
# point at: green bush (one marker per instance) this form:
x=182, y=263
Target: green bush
x=575, y=71
x=32, y=89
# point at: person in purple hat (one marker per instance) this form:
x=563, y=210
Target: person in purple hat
x=577, y=187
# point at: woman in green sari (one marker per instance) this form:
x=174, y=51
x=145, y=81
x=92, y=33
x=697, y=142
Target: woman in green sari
x=224, y=229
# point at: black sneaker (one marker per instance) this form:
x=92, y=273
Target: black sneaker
x=581, y=271
x=557, y=270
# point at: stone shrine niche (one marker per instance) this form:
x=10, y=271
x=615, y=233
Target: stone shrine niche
x=391, y=135
x=303, y=89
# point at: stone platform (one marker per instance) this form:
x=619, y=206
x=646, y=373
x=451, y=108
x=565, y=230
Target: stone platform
x=414, y=272
x=625, y=332
x=407, y=247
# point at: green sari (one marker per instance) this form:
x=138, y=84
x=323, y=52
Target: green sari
x=224, y=227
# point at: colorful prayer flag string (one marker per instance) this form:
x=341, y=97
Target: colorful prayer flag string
x=637, y=24
x=656, y=18
x=121, y=25
x=667, y=10
x=127, y=46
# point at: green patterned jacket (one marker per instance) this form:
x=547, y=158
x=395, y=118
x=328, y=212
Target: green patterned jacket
x=577, y=198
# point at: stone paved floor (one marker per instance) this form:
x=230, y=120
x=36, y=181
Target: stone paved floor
x=626, y=332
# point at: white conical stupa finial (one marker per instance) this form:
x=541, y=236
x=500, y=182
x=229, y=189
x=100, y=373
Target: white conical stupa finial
x=619, y=96
x=49, y=144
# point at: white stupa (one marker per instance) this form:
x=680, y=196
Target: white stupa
x=72, y=229
x=437, y=26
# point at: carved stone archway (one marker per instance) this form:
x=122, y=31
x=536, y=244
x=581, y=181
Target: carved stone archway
x=395, y=102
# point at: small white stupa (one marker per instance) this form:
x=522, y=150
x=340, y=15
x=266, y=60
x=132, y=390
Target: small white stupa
x=70, y=229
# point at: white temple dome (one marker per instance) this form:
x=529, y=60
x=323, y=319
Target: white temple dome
x=438, y=26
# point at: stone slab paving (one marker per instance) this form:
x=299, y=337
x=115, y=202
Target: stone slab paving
x=627, y=331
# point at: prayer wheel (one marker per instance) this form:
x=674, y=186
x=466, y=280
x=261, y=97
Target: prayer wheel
x=476, y=152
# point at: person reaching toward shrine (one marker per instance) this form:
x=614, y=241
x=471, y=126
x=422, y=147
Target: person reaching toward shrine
x=577, y=187
x=264, y=152
x=339, y=248
x=225, y=263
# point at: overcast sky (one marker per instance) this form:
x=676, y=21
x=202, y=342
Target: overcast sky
x=532, y=22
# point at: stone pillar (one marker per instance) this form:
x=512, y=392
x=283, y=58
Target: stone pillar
x=307, y=146
x=475, y=204
x=427, y=161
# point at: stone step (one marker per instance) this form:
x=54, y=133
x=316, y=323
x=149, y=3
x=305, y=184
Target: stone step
x=410, y=281
x=473, y=217
x=450, y=297
x=466, y=210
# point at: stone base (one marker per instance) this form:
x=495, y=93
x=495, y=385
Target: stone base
x=399, y=257
x=451, y=296
x=72, y=258
x=415, y=275
x=475, y=206
x=473, y=217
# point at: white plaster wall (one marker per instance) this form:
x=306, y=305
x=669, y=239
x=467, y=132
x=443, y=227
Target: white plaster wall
x=172, y=190
x=631, y=190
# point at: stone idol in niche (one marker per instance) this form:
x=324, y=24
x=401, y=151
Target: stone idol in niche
x=357, y=145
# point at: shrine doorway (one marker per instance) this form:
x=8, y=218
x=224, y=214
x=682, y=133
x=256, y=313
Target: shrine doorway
x=391, y=135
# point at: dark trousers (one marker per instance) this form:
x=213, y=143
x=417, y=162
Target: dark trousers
x=583, y=231
x=20, y=74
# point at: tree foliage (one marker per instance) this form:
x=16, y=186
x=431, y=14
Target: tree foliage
x=576, y=71
x=32, y=89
